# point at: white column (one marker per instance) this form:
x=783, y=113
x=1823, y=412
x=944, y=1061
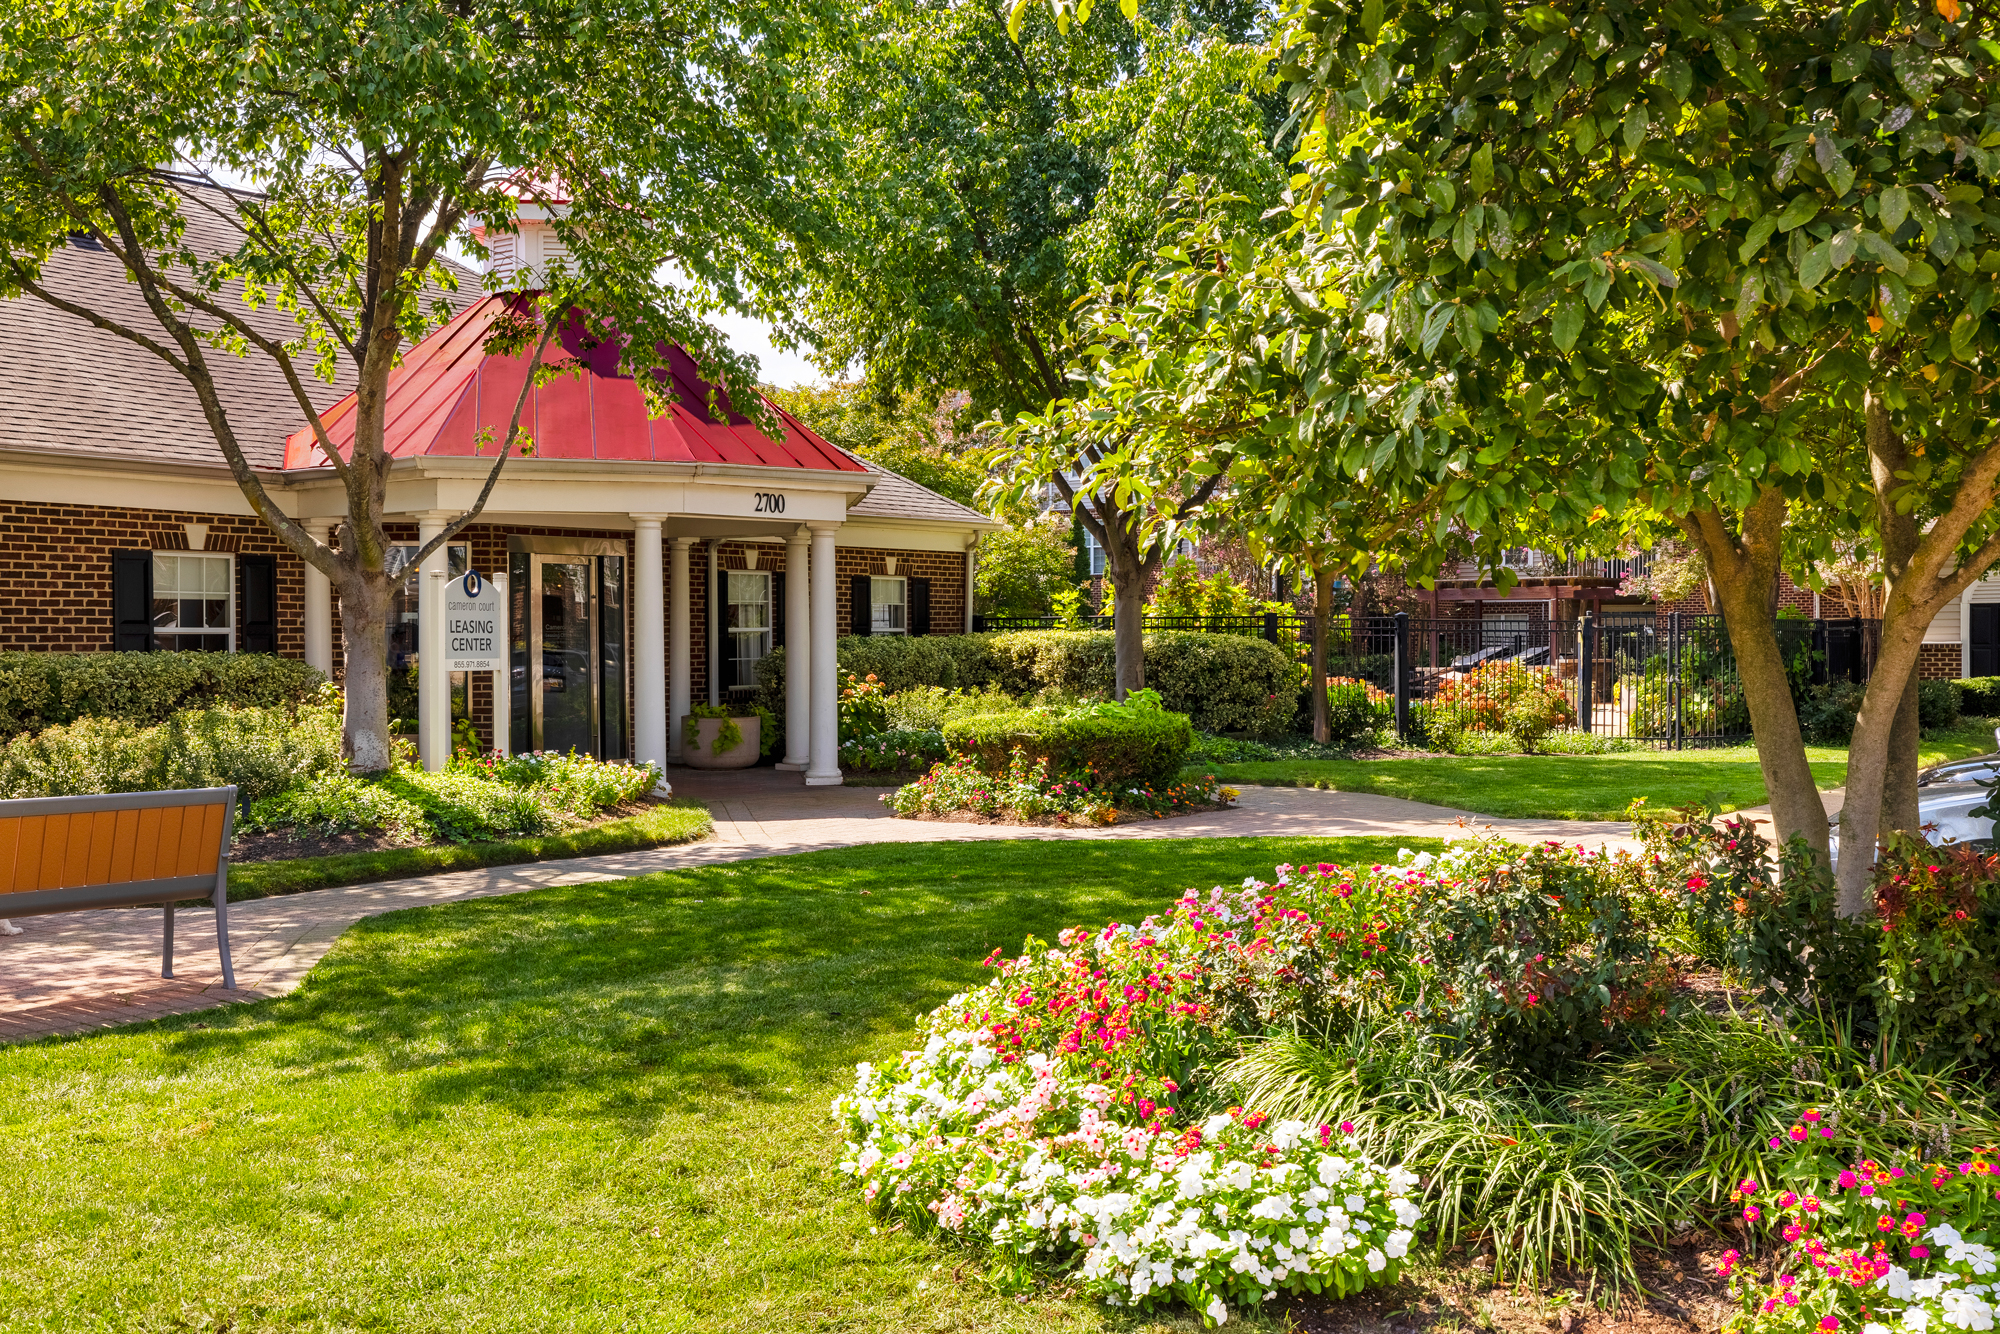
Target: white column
x=319, y=607
x=680, y=645
x=798, y=651
x=712, y=636
x=433, y=682
x=649, y=645
x=503, y=675
x=971, y=573
x=823, y=768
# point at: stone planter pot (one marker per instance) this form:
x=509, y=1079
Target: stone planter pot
x=701, y=755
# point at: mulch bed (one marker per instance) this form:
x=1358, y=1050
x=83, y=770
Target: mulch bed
x=1681, y=1294
x=283, y=845
x=1054, y=822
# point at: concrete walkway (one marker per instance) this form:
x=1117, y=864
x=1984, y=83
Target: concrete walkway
x=79, y=971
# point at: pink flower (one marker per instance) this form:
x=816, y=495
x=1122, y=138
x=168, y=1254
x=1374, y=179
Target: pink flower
x=1847, y=1180
x=1812, y=1204
x=1798, y=1133
x=1811, y=1117
x=1751, y=1213
x=1347, y=1127
x=1829, y=1322
x=1920, y=1252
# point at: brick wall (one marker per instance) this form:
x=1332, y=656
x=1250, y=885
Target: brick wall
x=55, y=577
x=1939, y=662
x=55, y=570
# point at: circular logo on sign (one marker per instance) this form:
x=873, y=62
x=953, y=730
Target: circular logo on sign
x=473, y=583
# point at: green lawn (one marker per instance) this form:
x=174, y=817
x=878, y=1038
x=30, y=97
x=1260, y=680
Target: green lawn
x=1576, y=787
x=590, y=1108
x=677, y=821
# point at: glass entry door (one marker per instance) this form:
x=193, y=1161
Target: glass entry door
x=564, y=695
x=567, y=633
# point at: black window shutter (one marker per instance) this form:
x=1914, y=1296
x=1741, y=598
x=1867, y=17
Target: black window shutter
x=778, y=609
x=725, y=643
x=257, y=576
x=132, y=601
x=860, y=605
x=918, y=614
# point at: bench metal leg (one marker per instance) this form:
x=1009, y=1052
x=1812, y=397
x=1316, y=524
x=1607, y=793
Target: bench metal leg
x=167, y=944
x=222, y=932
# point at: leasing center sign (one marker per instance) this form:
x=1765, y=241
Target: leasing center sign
x=471, y=625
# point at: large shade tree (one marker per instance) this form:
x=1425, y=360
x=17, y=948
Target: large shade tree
x=973, y=180
x=284, y=180
x=1623, y=264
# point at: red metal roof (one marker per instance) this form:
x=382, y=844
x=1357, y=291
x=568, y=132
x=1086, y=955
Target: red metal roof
x=448, y=389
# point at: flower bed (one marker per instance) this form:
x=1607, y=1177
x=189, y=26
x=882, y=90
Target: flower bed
x=1866, y=1246
x=1046, y=1116
x=1024, y=793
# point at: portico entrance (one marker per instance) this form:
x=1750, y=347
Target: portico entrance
x=568, y=660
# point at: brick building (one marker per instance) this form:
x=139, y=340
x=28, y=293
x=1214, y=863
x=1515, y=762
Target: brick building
x=643, y=563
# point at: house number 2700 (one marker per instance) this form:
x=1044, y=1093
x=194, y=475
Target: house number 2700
x=769, y=502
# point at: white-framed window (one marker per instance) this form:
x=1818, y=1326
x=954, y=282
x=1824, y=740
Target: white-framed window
x=749, y=625
x=194, y=601
x=888, y=605
x=1095, y=550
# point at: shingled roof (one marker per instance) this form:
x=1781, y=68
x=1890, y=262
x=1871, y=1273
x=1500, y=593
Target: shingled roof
x=72, y=388
x=897, y=497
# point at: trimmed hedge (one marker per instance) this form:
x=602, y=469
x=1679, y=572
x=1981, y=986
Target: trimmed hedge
x=262, y=752
x=1144, y=745
x=1981, y=695
x=1225, y=683
x=39, y=690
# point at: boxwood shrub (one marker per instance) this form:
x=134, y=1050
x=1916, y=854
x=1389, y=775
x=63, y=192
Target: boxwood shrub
x=1981, y=695
x=1225, y=683
x=39, y=690
x=1121, y=745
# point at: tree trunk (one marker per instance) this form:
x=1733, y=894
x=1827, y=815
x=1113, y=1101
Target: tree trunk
x=1744, y=569
x=1322, y=724
x=1882, y=758
x=1887, y=457
x=364, y=630
x=1128, y=630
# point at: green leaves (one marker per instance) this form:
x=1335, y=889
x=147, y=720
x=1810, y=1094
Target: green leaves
x=1892, y=208
x=1912, y=65
x=1568, y=323
x=1818, y=262
x=1801, y=210
x=1850, y=62
x=1884, y=252
x=1479, y=171
x=1760, y=232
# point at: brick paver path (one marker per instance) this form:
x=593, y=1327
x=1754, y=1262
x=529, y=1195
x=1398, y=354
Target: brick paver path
x=80, y=971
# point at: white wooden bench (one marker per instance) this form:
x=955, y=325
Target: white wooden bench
x=120, y=850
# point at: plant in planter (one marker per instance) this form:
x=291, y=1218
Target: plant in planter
x=717, y=736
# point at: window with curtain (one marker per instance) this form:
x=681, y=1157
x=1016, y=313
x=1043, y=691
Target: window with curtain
x=888, y=606
x=749, y=625
x=194, y=601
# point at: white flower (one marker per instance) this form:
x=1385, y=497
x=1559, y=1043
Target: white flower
x=1285, y=1134
x=1217, y=1311
x=1376, y=1260
x=1962, y=1310
x=1215, y=1125
x=1398, y=1244
x=1874, y=1327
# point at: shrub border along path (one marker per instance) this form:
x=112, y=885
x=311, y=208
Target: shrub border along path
x=82, y=971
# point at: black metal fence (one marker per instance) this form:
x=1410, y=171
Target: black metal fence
x=1665, y=679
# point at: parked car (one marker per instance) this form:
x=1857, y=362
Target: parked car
x=1947, y=794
